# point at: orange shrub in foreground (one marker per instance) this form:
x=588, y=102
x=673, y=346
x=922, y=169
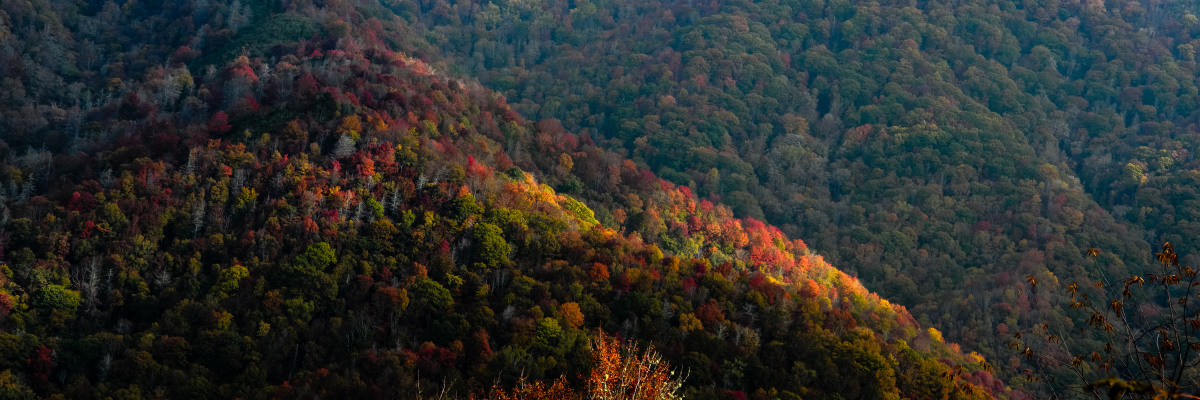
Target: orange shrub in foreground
x=618, y=372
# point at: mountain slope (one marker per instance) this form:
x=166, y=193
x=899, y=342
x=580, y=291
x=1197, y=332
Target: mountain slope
x=932, y=148
x=338, y=220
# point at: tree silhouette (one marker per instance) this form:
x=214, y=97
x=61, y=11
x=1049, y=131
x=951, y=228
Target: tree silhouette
x=1141, y=338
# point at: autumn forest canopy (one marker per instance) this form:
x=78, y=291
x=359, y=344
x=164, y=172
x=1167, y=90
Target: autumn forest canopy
x=518, y=199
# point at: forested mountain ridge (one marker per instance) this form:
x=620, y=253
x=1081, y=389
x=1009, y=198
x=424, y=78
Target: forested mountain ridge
x=323, y=216
x=940, y=150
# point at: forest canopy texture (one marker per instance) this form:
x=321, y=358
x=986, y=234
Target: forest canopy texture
x=299, y=199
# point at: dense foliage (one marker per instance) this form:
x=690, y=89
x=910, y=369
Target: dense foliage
x=328, y=218
x=939, y=150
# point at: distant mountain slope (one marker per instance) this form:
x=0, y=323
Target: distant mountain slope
x=933, y=148
x=335, y=219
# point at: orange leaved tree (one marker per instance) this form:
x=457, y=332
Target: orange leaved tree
x=536, y=390
x=619, y=371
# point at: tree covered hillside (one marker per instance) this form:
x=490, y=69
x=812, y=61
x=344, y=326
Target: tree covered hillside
x=213, y=199
x=939, y=150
